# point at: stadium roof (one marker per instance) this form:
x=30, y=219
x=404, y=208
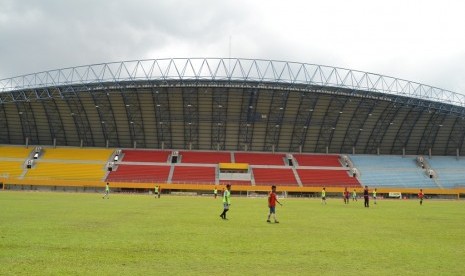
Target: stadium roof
x=231, y=104
x=232, y=70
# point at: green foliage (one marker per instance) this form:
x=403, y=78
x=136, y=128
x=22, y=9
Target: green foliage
x=81, y=234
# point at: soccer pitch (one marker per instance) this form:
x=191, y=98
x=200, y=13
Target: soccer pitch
x=82, y=234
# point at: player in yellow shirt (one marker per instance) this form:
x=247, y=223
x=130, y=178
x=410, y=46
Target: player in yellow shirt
x=323, y=196
x=156, y=191
x=107, y=191
x=226, y=201
x=354, y=195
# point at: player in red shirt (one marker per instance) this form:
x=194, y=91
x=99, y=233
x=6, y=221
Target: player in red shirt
x=345, y=194
x=420, y=196
x=272, y=199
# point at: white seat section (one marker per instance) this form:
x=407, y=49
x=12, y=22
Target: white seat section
x=450, y=171
x=391, y=171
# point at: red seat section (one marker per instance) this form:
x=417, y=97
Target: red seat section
x=260, y=158
x=191, y=174
x=278, y=177
x=317, y=160
x=328, y=178
x=140, y=173
x=205, y=157
x=145, y=155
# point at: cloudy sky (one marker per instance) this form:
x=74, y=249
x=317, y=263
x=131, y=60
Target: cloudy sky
x=422, y=41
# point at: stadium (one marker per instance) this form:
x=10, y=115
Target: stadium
x=189, y=126
x=274, y=122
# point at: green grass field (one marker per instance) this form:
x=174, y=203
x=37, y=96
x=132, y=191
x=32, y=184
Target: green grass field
x=82, y=234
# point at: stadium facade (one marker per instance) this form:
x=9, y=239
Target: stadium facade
x=233, y=105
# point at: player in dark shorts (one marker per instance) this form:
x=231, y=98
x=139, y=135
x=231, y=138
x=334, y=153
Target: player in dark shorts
x=345, y=194
x=420, y=196
x=226, y=201
x=323, y=196
x=366, y=197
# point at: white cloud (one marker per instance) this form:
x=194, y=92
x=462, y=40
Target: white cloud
x=420, y=41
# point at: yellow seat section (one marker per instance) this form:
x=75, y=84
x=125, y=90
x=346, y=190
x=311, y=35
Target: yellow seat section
x=11, y=169
x=14, y=152
x=77, y=154
x=67, y=171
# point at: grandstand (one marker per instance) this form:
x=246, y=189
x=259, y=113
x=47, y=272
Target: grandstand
x=14, y=152
x=279, y=177
x=175, y=120
x=205, y=157
x=193, y=174
x=259, y=158
x=307, y=172
x=450, y=171
x=318, y=160
x=145, y=156
x=11, y=169
x=140, y=173
x=327, y=178
x=76, y=154
x=67, y=171
x=386, y=171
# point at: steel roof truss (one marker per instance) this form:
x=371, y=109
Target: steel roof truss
x=162, y=116
x=5, y=133
x=248, y=117
x=107, y=118
x=191, y=117
x=303, y=119
x=134, y=115
x=219, y=119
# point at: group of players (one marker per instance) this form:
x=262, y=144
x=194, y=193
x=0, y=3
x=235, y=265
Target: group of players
x=273, y=198
x=157, y=191
x=346, y=195
x=366, y=196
